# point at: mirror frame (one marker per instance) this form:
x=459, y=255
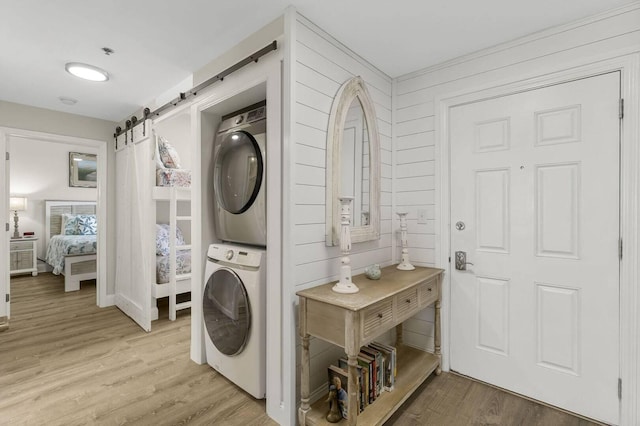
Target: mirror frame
x=350, y=90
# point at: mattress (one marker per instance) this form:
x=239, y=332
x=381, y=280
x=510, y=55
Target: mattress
x=163, y=265
x=173, y=177
x=66, y=245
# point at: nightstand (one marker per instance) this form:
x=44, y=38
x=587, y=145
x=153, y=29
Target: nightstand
x=23, y=256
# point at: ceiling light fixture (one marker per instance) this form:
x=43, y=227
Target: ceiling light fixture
x=87, y=72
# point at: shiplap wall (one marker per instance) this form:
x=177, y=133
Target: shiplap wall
x=322, y=66
x=610, y=34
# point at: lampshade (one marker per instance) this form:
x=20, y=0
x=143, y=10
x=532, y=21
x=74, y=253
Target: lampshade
x=18, y=203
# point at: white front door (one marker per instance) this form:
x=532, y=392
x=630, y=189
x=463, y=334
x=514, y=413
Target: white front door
x=535, y=206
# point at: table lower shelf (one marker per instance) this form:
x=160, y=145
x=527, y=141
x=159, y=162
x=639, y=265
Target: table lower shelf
x=414, y=366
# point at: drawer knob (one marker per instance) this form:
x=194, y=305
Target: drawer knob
x=429, y=289
x=408, y=300
x=379, y=315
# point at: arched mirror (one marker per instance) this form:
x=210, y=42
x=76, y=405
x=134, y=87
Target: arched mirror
x=353, y=165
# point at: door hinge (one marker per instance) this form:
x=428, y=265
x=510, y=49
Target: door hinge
x=620, y=248
x=449, y=256
x=621, y=111
x=8, y=298
x=619, y=388
x=7, y=156
x=7, y=227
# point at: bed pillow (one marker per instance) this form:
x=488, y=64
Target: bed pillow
x=68, y=224
x=162, y=239
x=168, y=154
x=86, y=224
x=159, y=163
x=79, y=224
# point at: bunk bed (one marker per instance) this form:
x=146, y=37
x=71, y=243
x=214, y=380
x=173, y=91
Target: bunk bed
x=71, y=253
x=173, y=253
x=152, y=207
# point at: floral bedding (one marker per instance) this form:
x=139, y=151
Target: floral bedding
x=65, y=245
x=163, y=265
x=173, y=177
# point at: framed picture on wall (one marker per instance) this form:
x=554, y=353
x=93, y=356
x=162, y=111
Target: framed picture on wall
x=83, y=170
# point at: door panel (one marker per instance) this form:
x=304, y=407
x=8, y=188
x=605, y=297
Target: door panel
x=535, y=179
x=134, y=207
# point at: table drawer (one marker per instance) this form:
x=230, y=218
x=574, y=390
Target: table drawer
x=407, y=303
x=428, y=292
x=376, y=318
x=21, y=245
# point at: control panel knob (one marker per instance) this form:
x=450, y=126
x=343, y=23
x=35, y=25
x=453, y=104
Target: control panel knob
x=229, y=254
x=240, y=119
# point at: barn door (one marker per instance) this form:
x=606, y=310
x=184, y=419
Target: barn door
x=535, y=209
x=133, y=222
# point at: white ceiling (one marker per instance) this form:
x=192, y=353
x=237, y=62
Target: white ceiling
x=159, y=43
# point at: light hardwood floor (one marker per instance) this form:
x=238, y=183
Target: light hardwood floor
x=64, y=361
x=450, y=399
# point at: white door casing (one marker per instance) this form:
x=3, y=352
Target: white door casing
x=535, y=179
x=12, y=135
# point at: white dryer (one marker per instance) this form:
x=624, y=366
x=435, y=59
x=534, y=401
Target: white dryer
x=239, y=177
x=234, y=311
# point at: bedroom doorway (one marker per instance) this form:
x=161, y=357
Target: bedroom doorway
x=41, y=168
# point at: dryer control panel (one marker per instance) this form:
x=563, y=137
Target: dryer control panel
x=244, y=118
x=239, y=256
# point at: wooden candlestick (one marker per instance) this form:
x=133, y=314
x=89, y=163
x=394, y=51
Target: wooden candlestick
x=345, y=285
x=404, y=265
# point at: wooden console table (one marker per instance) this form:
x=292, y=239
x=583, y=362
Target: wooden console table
x=354, y=320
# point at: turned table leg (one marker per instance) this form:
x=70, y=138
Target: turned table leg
x=354, y=408
x=304, y=382
x=304, y=365
x=436, y=337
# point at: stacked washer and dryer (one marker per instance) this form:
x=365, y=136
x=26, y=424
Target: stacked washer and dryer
x=234, y=299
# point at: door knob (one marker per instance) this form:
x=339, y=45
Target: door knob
x=461, y=261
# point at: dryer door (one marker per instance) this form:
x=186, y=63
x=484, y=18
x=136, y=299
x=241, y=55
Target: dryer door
x=227, y=314
x=238, y=171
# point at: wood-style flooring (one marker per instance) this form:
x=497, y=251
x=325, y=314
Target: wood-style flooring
x=450, y=399
x=64, y=361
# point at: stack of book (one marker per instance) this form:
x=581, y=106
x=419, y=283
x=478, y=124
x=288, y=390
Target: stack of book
x=376, y=373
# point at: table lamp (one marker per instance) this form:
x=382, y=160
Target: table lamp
x=17, y=204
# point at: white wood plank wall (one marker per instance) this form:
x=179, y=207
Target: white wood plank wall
x=613, y=33
x=322, y=65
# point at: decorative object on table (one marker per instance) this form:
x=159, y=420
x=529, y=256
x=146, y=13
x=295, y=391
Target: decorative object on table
x=17, y=204
x=83, y=170
x=339, y=379
x=373, y=272
x=345, y=285
x=333, y=416
x=404, y=265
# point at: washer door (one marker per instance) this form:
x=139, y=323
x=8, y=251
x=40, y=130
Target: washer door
x=238, y=171
x=227, y=314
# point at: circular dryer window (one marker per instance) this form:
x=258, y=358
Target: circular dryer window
x=226, y=311
x=238, y=171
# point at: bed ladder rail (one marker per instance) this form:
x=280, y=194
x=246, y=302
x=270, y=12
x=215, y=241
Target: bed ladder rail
x=174, y=198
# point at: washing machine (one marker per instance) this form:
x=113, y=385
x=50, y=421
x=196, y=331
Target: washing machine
x=234, y=311
x=239, y=177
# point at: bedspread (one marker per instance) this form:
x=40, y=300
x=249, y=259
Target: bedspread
x=163, y=265
x=64, y=245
